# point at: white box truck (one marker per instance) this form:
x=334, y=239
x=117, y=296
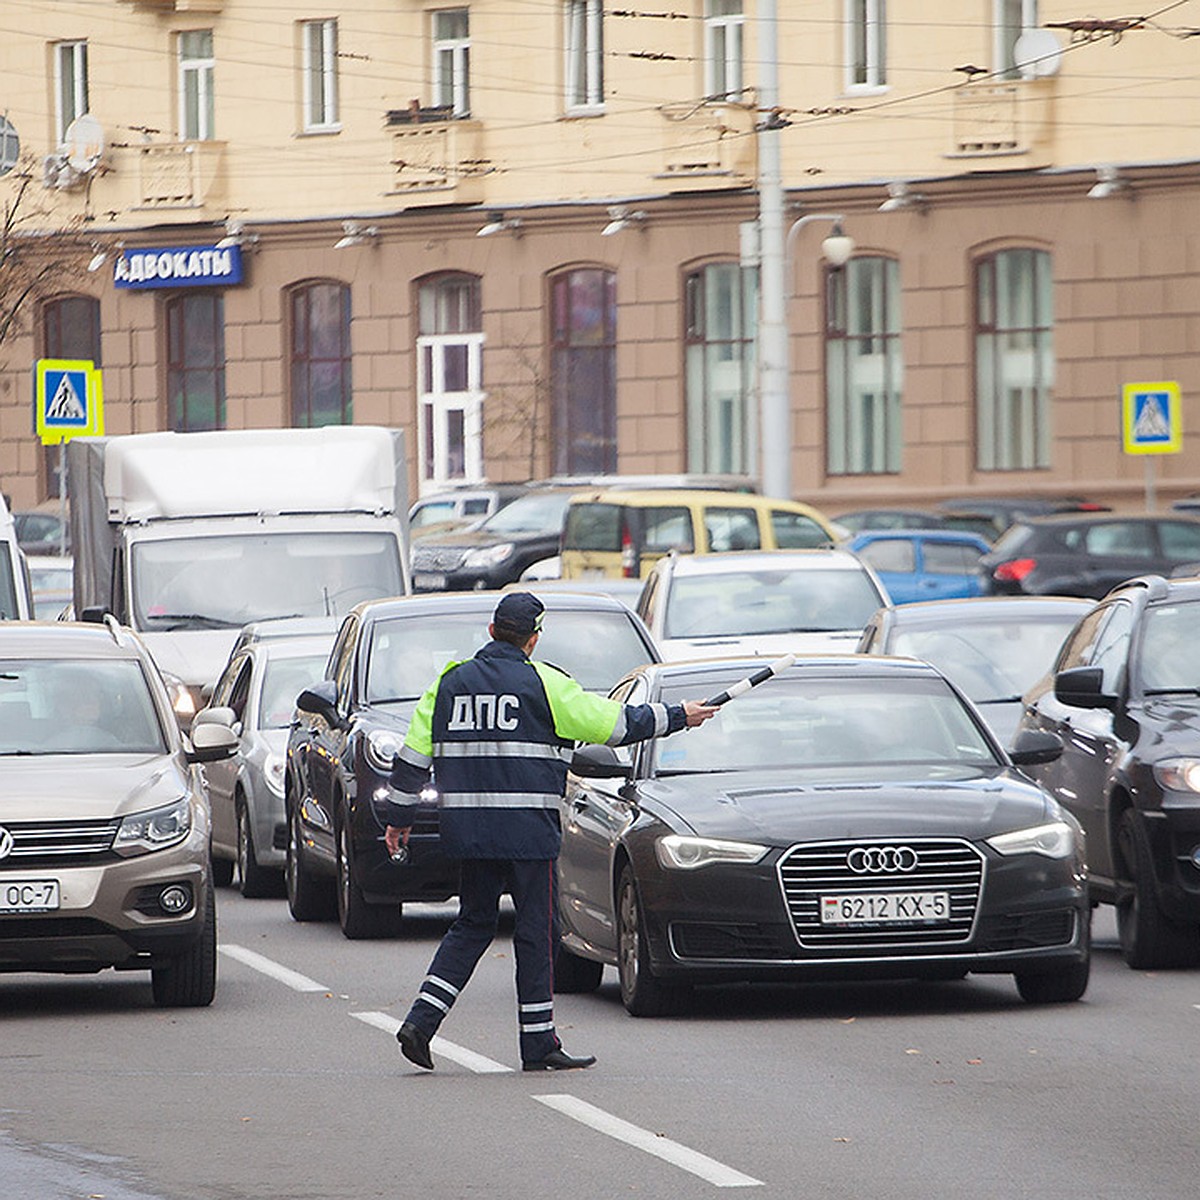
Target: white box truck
x=16, y=602
x=187, y=537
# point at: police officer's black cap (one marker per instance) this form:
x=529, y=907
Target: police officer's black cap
x=519, y=613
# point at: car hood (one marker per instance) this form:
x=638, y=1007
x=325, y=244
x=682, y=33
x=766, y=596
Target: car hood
x=766, y=645
x=781, y=808
x=197, y=656
x=58, y=787
x=1174, y=723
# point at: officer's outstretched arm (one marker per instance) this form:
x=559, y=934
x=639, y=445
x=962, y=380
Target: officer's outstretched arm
x=584, y=717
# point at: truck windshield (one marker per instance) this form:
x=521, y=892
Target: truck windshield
x=227, y=581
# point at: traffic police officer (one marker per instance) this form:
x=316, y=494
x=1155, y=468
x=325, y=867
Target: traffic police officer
x=497, y=731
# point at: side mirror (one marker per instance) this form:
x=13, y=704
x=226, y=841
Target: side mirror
x=1082, y=687
x=215, y=715
x=1035, y=746
x=212, y=742
x=599, y=762
x=320, y=700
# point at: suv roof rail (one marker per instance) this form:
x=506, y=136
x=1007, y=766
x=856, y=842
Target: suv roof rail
x=1155, y=586
x=114, y=628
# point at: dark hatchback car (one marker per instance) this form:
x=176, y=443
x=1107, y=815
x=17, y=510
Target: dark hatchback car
x=340, y=750
x=850, y=818
x=1087, y=555
x=1124, y=696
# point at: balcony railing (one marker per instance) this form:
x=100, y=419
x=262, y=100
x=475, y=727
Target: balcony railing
x=170, y=6
x=713, y=140
x=179, y=174
x=1005, y=120
x=442, y=154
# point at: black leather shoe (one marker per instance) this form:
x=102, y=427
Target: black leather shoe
x=559, y=1060
x=414, y=1045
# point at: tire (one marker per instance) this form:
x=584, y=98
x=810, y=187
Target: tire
x=309, y=898
x=642, y=994
x=357, y=918
x=255, y=882
x=221, y=870
x=1149, y=938
x=575, y=974
x=190, y=981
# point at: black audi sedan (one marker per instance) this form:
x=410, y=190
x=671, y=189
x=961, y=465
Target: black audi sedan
x=1124, y=697
x=350, y=725
x=852, y=817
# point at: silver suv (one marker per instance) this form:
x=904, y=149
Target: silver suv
x=104, y=826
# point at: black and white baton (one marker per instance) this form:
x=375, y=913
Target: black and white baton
x=744, y=685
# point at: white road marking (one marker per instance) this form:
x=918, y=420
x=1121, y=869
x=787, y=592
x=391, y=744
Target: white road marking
x=642, y=1139
x=459, y=1054
x=293, y=979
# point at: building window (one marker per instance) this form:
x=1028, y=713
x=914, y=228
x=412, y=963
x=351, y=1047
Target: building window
x=723, y=22
x=320, y=355
x=585, y=54
x=583, y=371
x=195, y=362
x=196, y=66
x=866, y=29
x=1013, y=18
x=70, y=330
x=863, y=368
x=452, y=60
x=319, y=44
x=450, y=379
x=70, y=85
x=1014, y=360
x=720, y=307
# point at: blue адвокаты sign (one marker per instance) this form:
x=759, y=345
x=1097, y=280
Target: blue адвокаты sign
x=178, y=266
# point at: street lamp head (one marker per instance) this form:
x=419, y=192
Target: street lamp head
x=837, y=247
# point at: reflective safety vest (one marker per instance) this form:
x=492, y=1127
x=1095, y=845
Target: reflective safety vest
x=497, y=732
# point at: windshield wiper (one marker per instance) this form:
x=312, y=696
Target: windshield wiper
x=183, y=620
x=1172, y=691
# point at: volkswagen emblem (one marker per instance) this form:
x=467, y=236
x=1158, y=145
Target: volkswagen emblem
x=882, y=860
x=6, y=842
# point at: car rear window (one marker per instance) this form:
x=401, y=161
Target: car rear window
x=595, y=527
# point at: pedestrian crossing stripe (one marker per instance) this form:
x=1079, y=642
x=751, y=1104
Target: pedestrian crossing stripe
x=68, y=399
x=1152, y=418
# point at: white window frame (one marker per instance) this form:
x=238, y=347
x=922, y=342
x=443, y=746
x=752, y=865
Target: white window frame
x=70, y=74
x=724, y=73
x=866, y=27
x=202, y=68
x=583, y=43
x=436, y=403
x=451, y=65
x=319, y=42
x=1003, y=63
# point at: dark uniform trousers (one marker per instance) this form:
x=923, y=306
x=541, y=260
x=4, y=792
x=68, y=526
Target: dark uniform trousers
x=532, y=883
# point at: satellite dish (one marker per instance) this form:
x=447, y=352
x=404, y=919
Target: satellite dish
x=83, y=143
x=10, y=146
x=1037, y=53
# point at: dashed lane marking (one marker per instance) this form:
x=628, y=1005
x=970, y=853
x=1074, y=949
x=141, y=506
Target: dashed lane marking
x=459, y=1054
x=257, y=962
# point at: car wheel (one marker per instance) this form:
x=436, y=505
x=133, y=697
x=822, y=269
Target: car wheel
x=357, y=918
x=575, y=974
x=190, y=981
x=221, y=870
x=309, y=898
x=255, y=881
x=642, y=994
x=1149, y=938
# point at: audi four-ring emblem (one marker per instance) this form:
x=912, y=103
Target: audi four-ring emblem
x=882, y=860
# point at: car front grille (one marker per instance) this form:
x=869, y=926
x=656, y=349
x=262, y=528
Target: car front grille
x=58, y=843
x=808, y=872
x=436, y=558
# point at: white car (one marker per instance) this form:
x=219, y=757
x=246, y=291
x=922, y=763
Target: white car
x=770, y=602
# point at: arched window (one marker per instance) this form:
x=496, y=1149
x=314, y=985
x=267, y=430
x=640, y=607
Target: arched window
x=450, y=378
x=863, y=367
x=195, y=361
x=720, y=307
x=320, y=354
x=1014, y=360
x=583, y=371
x=71, y=330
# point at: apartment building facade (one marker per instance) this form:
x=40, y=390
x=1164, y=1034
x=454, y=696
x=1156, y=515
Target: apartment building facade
x=524, y=231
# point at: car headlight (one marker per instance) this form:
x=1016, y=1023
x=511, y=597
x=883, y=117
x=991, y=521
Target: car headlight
x=1178, y=774
x=1055, y=840
x=382, y=745
x=183, y=699
x=140, y=833
x=274, y=770
x=679, y=853
x=488, y=556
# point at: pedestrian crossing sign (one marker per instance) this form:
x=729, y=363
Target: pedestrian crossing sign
x=68, y=399
x=1152, y=418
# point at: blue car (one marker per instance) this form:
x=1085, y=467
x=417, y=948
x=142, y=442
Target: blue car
x=923, y=564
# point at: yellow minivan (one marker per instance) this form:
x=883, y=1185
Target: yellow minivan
x=618, y=534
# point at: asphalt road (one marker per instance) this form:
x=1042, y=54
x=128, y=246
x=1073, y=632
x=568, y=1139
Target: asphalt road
x=291, y=1086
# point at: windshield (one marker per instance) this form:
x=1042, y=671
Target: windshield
x=784, y=600
x=797, y=723
x=225, y=582
x=408, y=653
x=989, y=660
x=541, y=512
x=283, y=680
x=1170, y=651
x=77, y=706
